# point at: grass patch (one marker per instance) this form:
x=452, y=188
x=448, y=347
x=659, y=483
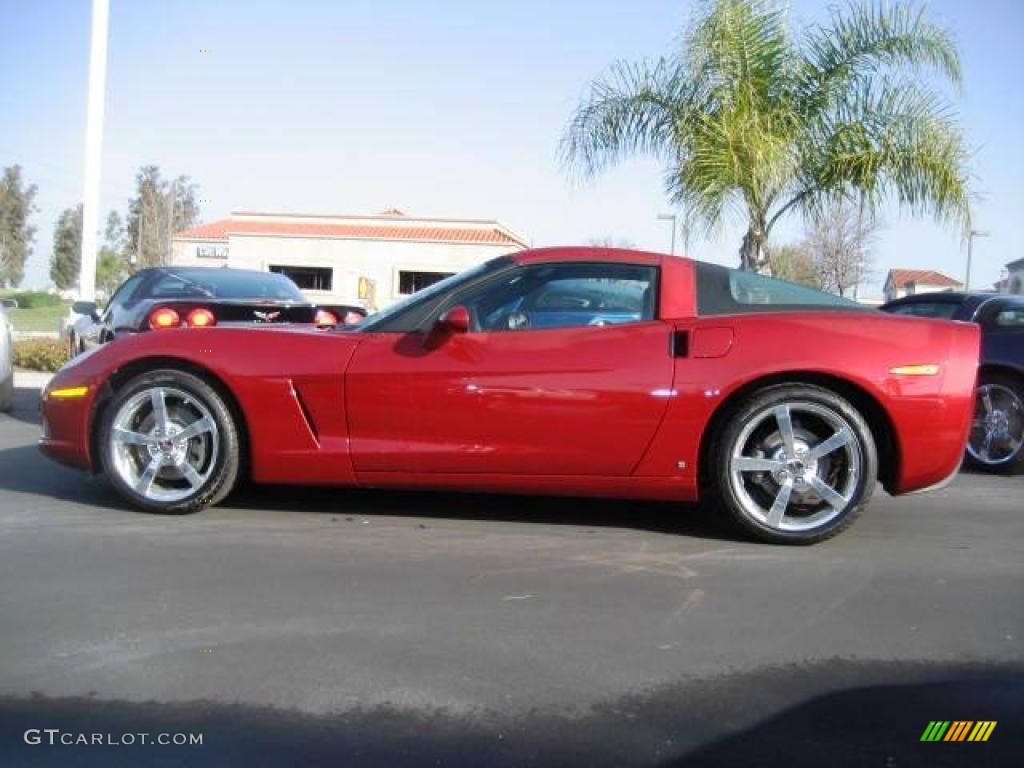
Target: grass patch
x=46, y=318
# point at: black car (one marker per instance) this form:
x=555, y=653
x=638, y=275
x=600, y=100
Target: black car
x=172, y=297
x=997, y=436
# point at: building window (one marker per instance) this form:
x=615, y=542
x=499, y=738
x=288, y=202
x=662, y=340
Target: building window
x=212, y=251
x=410, y=282
x=307, y=278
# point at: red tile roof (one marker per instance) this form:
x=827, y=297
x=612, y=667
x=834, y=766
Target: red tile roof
x=219, y=230
x=900, y=277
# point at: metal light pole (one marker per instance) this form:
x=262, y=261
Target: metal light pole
x=970, y=253
x=93, y=148
x=670, y=217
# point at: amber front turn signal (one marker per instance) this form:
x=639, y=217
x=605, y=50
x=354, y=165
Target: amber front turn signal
x=67, y=392
x=915, y=370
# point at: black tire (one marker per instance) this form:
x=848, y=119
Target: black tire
x=1009, y=387
x=220, y=446
x=813, y=411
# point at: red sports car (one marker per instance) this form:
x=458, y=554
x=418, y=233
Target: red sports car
x=576, y=371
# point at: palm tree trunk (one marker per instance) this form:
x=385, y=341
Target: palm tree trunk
x=752, y=251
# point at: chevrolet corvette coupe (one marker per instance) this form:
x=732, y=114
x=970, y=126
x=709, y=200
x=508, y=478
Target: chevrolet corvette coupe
x=996, y=443
x=572, y=371
x=158, y=298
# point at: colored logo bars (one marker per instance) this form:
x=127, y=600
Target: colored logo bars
x=958, y=730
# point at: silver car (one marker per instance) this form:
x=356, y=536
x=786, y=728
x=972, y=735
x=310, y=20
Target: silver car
x=6, y=357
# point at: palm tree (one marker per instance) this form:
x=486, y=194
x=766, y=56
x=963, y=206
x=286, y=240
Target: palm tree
x=753, y=122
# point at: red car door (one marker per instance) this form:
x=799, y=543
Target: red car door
x=563, y=371
x=562, y=401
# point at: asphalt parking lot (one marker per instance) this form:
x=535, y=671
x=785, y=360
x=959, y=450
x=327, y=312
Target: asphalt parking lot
x=352, y=628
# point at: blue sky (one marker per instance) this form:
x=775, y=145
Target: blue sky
x=442, y=108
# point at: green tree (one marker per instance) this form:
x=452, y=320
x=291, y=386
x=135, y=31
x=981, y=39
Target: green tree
x=66, y=259
x=111, y=265
x=159, y=208
x=16, y=234
x=754, y=122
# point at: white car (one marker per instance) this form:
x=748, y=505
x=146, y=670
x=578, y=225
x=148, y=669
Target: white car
x=6, y=357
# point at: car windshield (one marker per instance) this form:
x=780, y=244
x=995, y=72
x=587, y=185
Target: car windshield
x=225, y=284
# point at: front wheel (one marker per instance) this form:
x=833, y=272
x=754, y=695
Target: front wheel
x=168, y=443
x=794, y=464
x=996, y=443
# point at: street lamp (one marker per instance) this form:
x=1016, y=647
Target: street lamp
x=670, y=217
x=970, y=253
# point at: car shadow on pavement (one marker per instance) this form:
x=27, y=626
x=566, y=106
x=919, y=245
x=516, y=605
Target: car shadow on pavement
x=835, y=712
x=695, y=520
x=24, y=470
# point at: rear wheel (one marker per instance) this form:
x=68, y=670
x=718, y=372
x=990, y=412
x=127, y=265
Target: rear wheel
x=168, y=443
x=996, y=443
x=794, y=464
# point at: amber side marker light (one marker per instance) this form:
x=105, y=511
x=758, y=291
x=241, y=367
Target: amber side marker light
x=915, y=370
x=163, y=318
x=67, y=392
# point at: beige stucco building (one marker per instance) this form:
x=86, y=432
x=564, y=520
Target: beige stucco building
x=367, y=260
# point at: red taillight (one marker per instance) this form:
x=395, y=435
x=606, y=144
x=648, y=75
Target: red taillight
x=200, y=318
x=163, y=318
x=324, y=318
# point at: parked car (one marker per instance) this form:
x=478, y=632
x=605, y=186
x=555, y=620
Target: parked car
x=997, y=432
x=347, y=314
x=6, y=356
x=663, y=379
x=162, y=298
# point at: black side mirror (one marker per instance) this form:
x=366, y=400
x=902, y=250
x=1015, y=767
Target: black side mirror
x=85, y=308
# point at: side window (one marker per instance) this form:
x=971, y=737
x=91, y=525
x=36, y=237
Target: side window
x=724, y=291
x=564, y=296
x=1011, y=317
x=942, y=310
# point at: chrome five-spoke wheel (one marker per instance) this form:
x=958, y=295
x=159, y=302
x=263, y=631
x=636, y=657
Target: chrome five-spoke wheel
x=164, y=444
x=795, y=464
x=997, y=432
x=169, y=443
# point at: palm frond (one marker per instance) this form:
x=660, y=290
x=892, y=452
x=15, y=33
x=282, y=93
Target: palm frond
x=890, y=139
x=870, y=38
x=631, y=110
